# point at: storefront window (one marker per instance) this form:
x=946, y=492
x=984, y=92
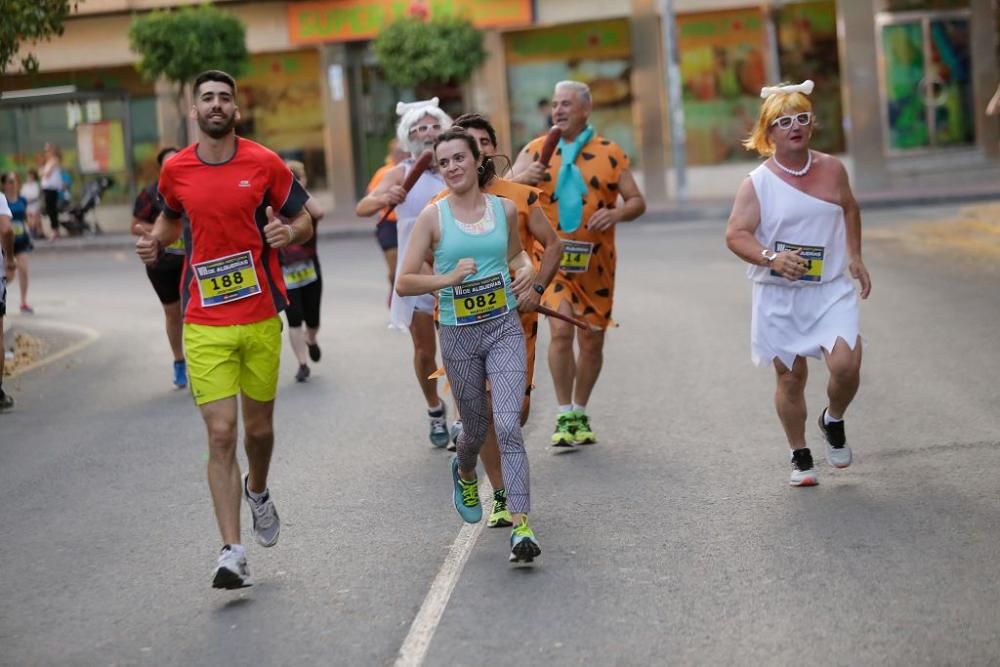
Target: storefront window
x=722, y=72
x=597, y=53
x=281, y=107
x=807, y=48
x=927, y=81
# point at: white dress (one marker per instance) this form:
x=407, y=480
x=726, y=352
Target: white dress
x=802, y=317
x=424, y=190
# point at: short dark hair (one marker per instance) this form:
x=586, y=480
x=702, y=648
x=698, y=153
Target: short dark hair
x=163, y=154
x=214, y=75
x=476, y=121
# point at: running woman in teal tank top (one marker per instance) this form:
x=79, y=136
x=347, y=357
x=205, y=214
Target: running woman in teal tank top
x=474, y=238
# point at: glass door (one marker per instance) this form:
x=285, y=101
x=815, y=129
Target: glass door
x=926, y=78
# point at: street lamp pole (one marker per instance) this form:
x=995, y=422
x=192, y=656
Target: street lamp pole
x=675, y=104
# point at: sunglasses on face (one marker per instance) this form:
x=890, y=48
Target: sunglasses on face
x=785, y=122
x=424, y=128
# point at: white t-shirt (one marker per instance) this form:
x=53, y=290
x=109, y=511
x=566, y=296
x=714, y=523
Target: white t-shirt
x=4, y=211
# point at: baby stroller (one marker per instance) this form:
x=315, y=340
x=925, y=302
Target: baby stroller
x=74, y=218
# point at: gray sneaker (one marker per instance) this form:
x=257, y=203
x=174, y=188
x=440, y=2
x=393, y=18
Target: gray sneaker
x=838, y=454
x=439, y=428
x=266, y=524
x=231, y=569
x=456, y=430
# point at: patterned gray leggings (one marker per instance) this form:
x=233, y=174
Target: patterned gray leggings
x=492, y=350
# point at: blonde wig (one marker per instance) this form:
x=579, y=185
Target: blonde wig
x=776, y=104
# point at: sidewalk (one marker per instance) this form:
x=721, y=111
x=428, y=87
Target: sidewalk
x=351, y=226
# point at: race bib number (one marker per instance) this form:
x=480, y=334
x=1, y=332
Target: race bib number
x=19, y=228
x=226, y=279
x=300, y=274
x=175, y=248
x=576, y=256
x=480, y=300
x=813, y=255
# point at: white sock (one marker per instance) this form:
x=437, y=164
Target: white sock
x=434, y=411
x=582, y=409
x=256, y=497
x=563, y=409
x=237, y=549
x=827, y=419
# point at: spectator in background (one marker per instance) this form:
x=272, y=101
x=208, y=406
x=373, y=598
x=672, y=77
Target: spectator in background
x=22, y=239
x=52, y=185
x=9, y=266
x=32, y=193
x=545, y=111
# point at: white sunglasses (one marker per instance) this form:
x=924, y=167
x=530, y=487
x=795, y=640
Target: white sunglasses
x=785, y=122
x=424, y=128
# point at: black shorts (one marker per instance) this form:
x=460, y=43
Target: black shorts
x=385, y=232
x=165, y=277
x=22, y=244
x=304, y=302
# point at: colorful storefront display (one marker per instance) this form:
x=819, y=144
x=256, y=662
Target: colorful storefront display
x=597, y=53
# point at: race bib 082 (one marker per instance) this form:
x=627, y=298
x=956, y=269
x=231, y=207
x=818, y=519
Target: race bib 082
x=480, y=300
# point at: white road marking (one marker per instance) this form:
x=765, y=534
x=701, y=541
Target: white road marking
x=418, y=639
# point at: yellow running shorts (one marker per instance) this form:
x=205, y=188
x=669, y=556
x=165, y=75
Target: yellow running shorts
x=223, y=361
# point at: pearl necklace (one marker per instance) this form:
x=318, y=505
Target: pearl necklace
x=794, y=172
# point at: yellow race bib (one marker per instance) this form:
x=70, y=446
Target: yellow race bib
x=480, y=300
x=813, y=255
x=576, y=256
x=227, y=279
x=300, y=274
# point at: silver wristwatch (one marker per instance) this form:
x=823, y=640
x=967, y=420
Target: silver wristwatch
x=768, y=257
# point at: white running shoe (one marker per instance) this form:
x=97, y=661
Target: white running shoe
x=838, y=453
x=266, y=524
x=803, y=471
x=231, y=569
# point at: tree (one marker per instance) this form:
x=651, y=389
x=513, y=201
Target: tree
x=179, y=45
x=412, y=52
x=30, y=21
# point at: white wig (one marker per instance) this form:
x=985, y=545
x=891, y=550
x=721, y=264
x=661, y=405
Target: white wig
x=410, y=114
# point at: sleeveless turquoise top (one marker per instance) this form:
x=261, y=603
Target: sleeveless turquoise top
x=486, y=294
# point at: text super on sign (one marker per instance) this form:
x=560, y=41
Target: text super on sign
x=350, y=20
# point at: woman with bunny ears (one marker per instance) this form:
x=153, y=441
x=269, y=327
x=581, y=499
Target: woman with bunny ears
x=420, y=124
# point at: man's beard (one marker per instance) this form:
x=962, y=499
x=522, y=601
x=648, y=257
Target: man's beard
x=215, y=131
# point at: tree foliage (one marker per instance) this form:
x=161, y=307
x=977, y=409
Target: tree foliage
x=412, y=52
x=179, y=45
x=23, y=21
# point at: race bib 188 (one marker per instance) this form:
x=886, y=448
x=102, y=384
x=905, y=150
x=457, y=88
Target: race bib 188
x=226, y=279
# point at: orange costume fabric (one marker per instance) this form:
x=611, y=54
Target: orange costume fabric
x=376, y=179
x=590, y=292
x=525, y=198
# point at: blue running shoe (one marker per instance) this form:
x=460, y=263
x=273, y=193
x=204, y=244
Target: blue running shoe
x=466, y=496
x=180, y=374
x=524, y=547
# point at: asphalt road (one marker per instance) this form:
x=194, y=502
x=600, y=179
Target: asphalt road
x=676, y=540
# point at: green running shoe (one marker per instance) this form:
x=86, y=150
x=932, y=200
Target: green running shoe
x=499, y=516
x=465, y=495
x=583, y=435
x=562, y=439
x=524, y=547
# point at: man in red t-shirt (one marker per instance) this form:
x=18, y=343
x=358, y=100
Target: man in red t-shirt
x=232, y=290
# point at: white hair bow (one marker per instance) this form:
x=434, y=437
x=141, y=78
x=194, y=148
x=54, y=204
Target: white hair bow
x=806, y=87
x=403, y=107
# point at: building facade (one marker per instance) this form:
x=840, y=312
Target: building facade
x=902, y=86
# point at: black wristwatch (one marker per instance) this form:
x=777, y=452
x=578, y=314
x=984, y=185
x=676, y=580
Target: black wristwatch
x=538, y=287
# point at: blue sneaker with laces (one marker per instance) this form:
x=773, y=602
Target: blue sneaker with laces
x=466, y=496
x=180, y=374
